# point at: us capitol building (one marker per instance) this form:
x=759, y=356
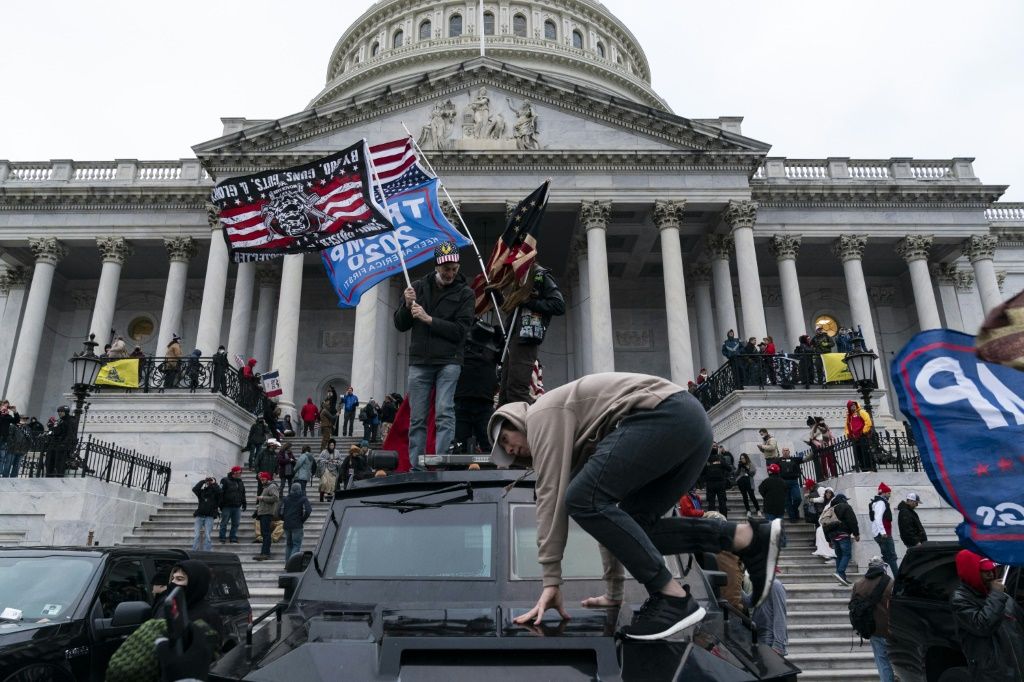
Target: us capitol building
x=664, y=232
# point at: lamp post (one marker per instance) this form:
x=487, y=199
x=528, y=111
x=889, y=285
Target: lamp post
x=85, y=367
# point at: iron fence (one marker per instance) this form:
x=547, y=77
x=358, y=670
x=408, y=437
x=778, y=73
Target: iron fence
x=876, y=451
x=783, y=370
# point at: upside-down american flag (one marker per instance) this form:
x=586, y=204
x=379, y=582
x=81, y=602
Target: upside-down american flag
x=509, y=266
x=305, y=208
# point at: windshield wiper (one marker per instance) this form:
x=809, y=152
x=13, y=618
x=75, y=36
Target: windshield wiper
x=408, y=504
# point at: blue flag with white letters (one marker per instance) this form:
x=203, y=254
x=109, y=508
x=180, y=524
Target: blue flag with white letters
x=968, y=420
x=356, y=266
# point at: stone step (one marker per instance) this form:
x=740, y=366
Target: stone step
x=862, y=674
x=832, y=660
x=804, y=630
x=825, y=590
x=805, y=645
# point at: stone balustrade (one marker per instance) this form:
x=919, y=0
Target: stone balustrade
x=1006, y=213
x=120, y=171
x=959, y=170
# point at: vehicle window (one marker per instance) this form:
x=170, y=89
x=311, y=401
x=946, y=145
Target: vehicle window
x=43, y=588
x=228, y=583
x=934, y=580
x=126, y=581
x=455, y=541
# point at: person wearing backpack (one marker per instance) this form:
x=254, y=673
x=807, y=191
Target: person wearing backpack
x=881, y=526
x=869, y=613
x=305, y=468
x=839, y=522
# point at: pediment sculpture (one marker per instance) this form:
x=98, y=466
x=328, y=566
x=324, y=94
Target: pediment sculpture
x=483, y=125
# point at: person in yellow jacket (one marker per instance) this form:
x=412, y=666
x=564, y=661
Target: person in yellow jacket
x=858, y=429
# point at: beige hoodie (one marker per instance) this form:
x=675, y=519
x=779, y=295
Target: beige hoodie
x=563, y=428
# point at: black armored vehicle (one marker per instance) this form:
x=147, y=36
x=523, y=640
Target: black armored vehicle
x=419, y=576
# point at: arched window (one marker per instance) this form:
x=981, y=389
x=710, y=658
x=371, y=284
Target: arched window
x=488, y=23
x=550, y=30
x=455, y=26
x=618, y=60
x=375, y=49
x=398, y=39
x=600, y=50
x=519, y=26
x=577, y=40
x=425, y=30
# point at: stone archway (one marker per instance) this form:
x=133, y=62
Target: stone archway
x=341, y=383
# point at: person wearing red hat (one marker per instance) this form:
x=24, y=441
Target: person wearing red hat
x=989, y=622
x=881, y=526
x=265, y=511
x=774, y=492
x=232, y=503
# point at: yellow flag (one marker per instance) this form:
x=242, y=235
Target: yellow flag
x=120, y=373
x=835, y=367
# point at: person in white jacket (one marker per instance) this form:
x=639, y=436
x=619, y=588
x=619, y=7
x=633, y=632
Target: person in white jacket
x=821, y=546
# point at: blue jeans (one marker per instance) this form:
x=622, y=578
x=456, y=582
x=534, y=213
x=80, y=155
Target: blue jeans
x=232, y=515
x=15, y=465
x=5, y=461
x=888, y=547
x=423, y=378
x=203, y=523
x=303, y=483
x=638, y=473
x=844, y=552
x=793, y=499
x=292, y=543
x=881, y=651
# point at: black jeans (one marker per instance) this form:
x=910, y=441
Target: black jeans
x=716, y=499
x=349, y=424
x=471, y=416
x=635, y=476
x=517, y=372
x=748, y=497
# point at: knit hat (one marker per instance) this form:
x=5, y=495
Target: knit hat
x=266, y=476
x=273, y=443
x=809, y=484
x=774, y=468
x=883, y=489
x=877, y=562
x=236, y=470
x=446, y=252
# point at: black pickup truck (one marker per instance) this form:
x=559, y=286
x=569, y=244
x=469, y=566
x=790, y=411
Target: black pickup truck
x=923, y=644
x=419, y=576
x=65, y=610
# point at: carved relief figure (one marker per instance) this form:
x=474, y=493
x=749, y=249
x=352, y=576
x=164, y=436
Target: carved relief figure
x=525, y=128
x=481, y=108
x=438, y=130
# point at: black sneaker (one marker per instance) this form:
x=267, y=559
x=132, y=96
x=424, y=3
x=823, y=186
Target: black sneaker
x=662, y=616
x=762, y=557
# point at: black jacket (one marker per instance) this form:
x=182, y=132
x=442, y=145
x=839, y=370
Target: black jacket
x=774, y=492
x=357, y=466
x=911, y=530
x=7, y=419
x=991, y=631
x=716, y=475
x=209, y=499
x=232, y=492
x=790, y=468
x=847, y=519
x=197, y=592
x=546, y=300
x=451, y=307
x=295, y=508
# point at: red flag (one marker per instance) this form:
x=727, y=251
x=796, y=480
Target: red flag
x=398, y=436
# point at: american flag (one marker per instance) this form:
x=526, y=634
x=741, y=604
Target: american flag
x=306, y=208
x=398, y=167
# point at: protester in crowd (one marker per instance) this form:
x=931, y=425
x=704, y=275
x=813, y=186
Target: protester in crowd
x=266, y=510
x=619, y=502
x=371, y=427
x=328, y=464
x=702, y=376
x=822, y=548
x=295, y=509
x=388, y=410
x=193, y=368
x=869, y=601
x=118, y=349
x=249, y=377
x=35, y=427
x=841, y=533
x=9, y=419
x=822, y=444
x=350, y=403
x=172, y=361
x=258, y=434
x=912, y=531
x=60, y=441
x=438, y=310
x=716, y=480
x=353, y=468
x=380, y=473
x=137, y=353
x=811, y=508
x=267, y=462
x=309, y=414
x=305, y=468
x=773, y=492
x=881, y=526
x=745, y=471
x=289, y=428
x=789, y=468
x=286, y=466
x=858, y=429
x=770, y=620
x=221, y=367
x=822, y=341
x=768, y=446
x=989, y=622
x=769, y=346
x=732, y=346
x=731, y=565
x=843, y=336
x=327, y=417
x=478, y=384
x=805, y=353
x=690, y=504
x=528, y=324
x=232, y=503
x=208, y=508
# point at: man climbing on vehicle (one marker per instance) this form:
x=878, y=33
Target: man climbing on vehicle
x=615, y=452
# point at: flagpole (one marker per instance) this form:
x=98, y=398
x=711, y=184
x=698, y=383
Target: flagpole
x=387, y=209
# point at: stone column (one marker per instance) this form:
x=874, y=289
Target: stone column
x=914, y=249
x=13, y=282
x=115, y=250
x=849, y=248
x=594, y=216
x=266, y=282
x=364, y=345
x=241, y=311
x=741, y=216
x=968, y=301
x=945, y=279
x=720, y=247
x=668, y=215
x=785, y=248
x=710, y=357
x=980, y=250
x=583, y=303
x=48, y=251
x=211, y=314
x=286, y=338
x=180, y=250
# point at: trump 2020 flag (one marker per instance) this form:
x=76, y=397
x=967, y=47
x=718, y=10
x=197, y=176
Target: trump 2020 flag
x=272, y=384
x=306, y=208
x=968, y=421
x=355, y=267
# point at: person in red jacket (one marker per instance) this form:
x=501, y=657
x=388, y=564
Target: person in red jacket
x=309, y=414
x=689, y=504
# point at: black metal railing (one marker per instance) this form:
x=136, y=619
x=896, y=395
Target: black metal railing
x=43, y=456
x=886, y=450
x=161, y=374
x=784, y=370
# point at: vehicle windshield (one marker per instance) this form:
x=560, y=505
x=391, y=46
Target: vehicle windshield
x=456, y=541
x=42, y=589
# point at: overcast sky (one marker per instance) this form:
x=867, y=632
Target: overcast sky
x=868, y=79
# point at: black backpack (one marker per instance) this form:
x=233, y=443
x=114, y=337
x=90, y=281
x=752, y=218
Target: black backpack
x=862, y=609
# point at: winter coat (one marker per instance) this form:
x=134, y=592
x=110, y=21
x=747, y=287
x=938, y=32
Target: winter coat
x=388, y=411
x=220, y=363
x=197, y=592
x=535, y=316
x=268, y=500
x=309, y=412
x=118, y=350
x=350, y=401
x=266, y=461
x=232, y=492
x=357, y=465
x=173, y=354
x=848, y=524
x=295, y=508
x=858, y=424
x=731, y=347
x=774, y=492
x=822, y=342
x=716, y=475
x=989, y=624
x=285, y=463
x=248, y=372
x=866, y=586
x=304, y=467
x=690, y=506
x=7, y=420
x=442, y=341
x=912, y=531
x=209, y=499
x=745, y=476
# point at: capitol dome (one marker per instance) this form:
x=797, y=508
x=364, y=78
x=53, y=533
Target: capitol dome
x=578, y=41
